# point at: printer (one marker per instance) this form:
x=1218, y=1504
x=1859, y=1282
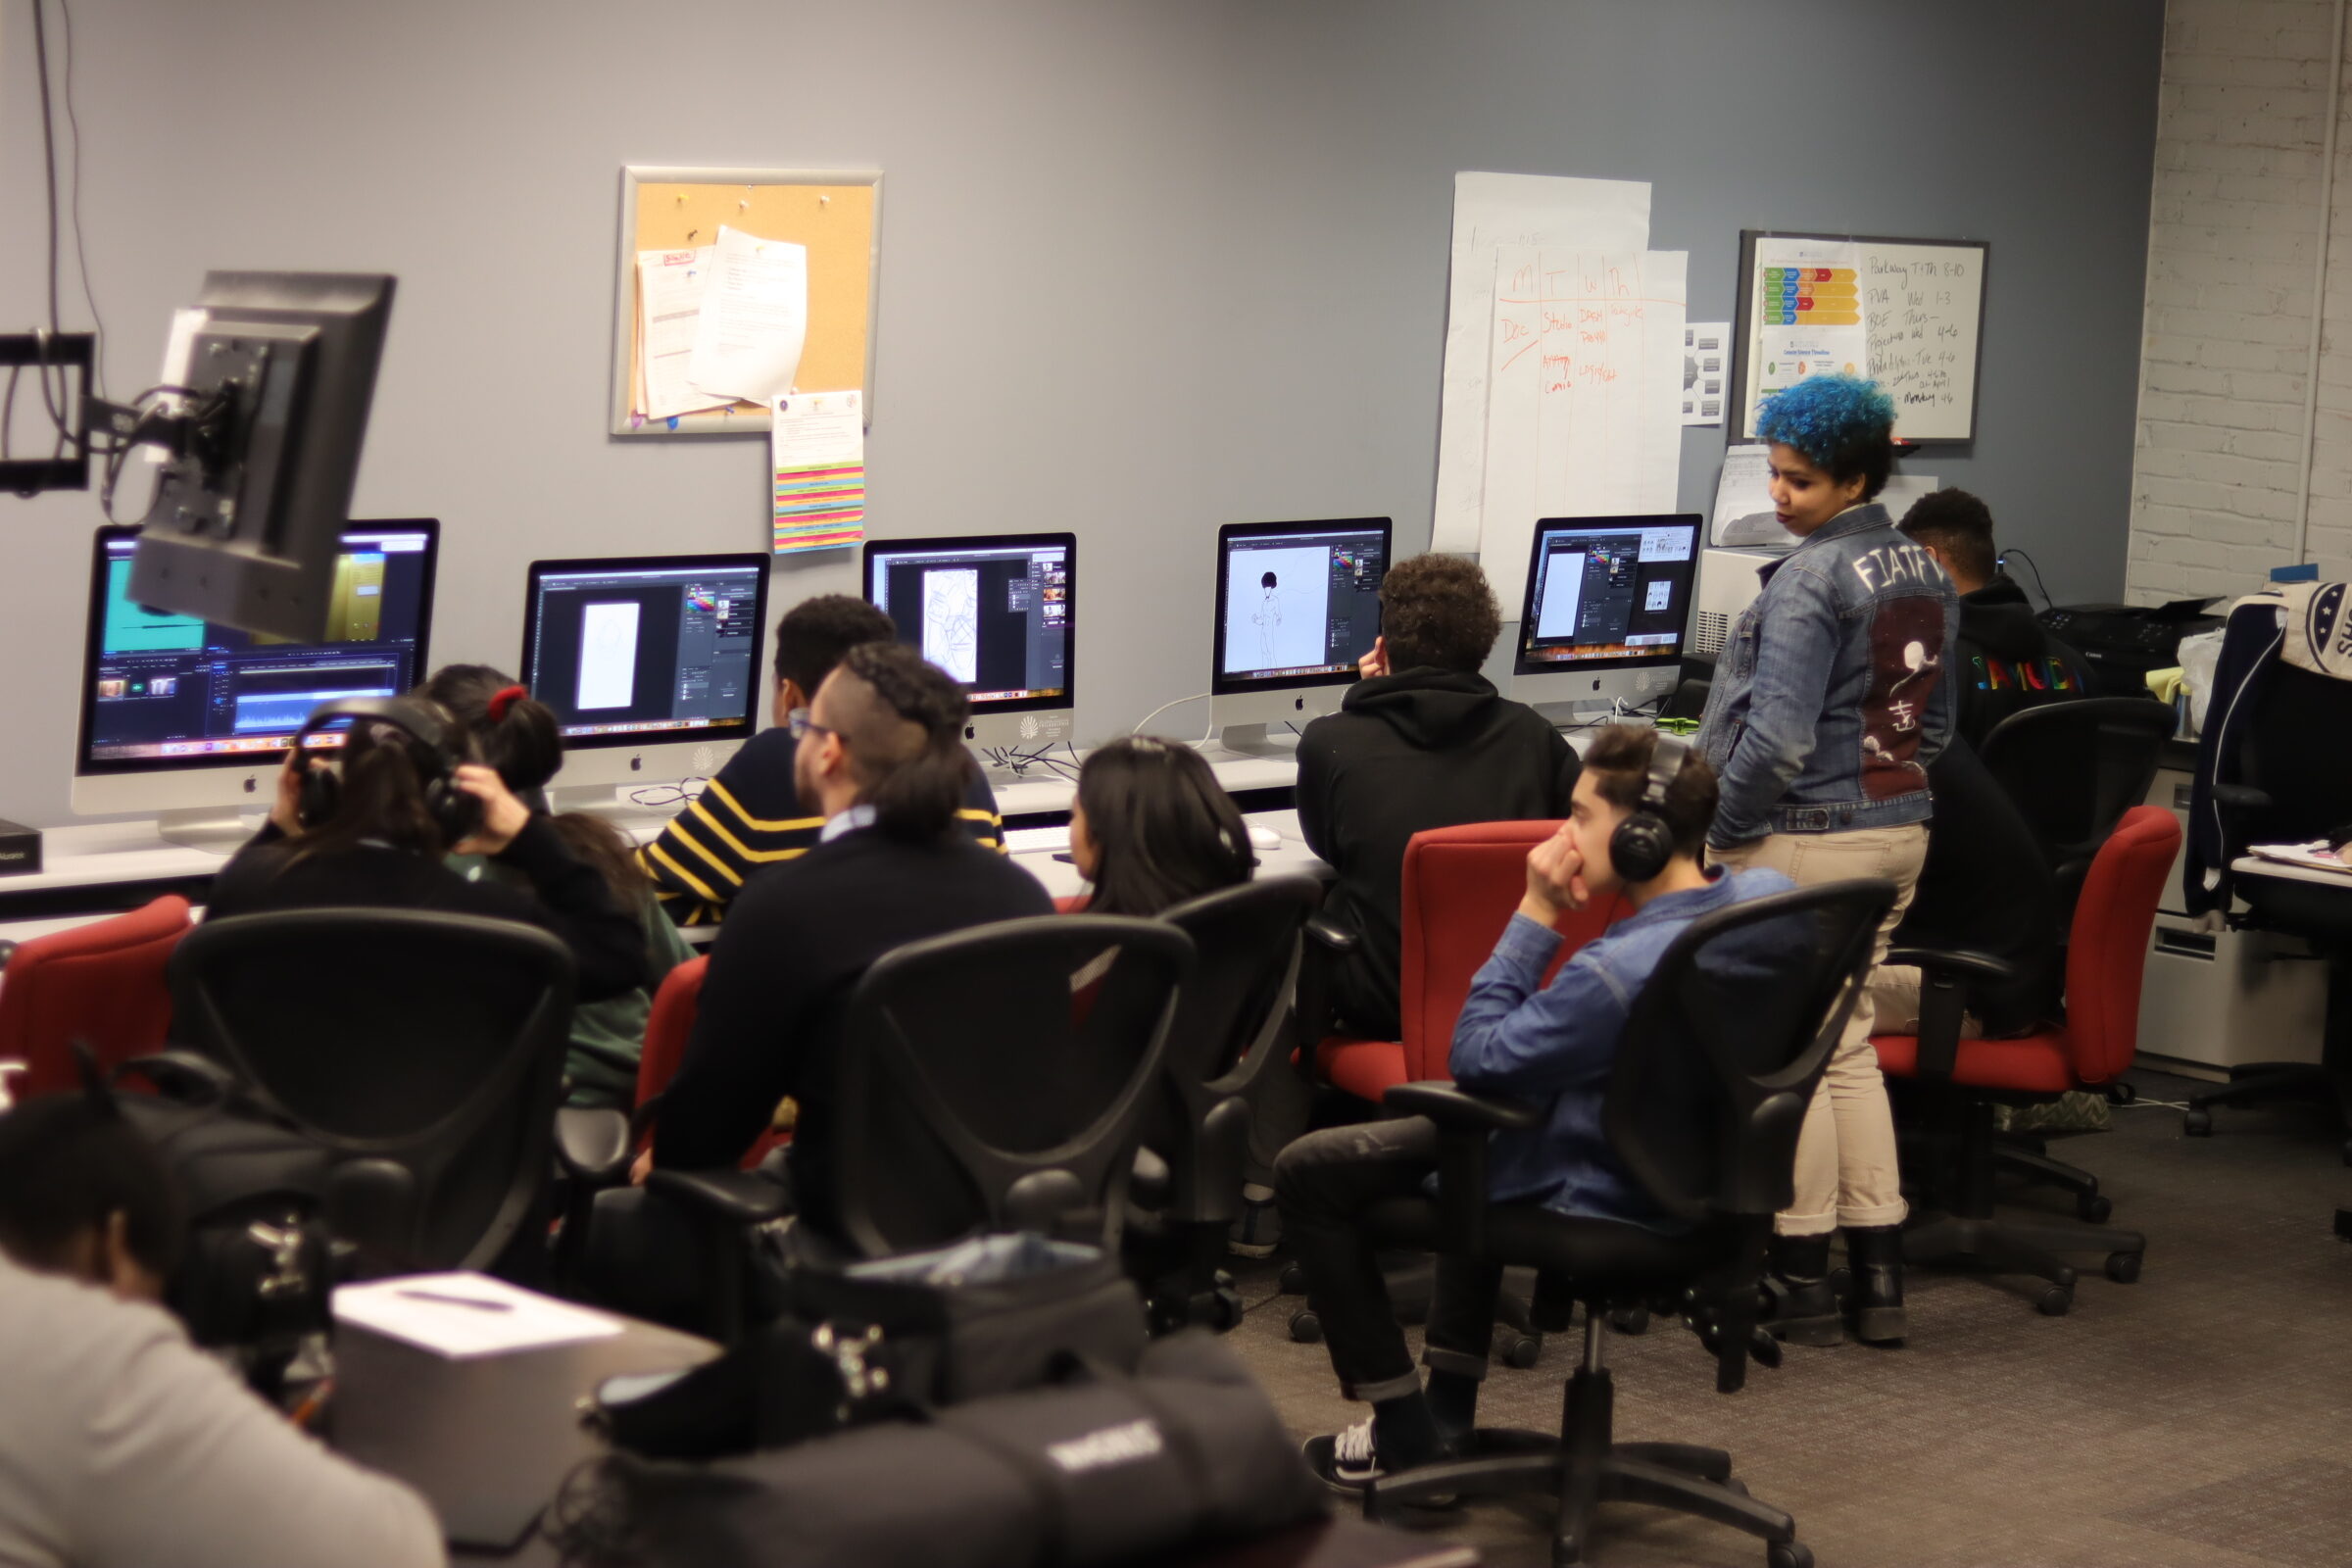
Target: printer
x=2124, y=642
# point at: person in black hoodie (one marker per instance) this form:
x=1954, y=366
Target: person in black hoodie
x=1423, y=741
x=2007, y=663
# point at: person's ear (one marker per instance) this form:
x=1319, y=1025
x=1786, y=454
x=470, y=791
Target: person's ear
x=119, y=1268
x=788, y=696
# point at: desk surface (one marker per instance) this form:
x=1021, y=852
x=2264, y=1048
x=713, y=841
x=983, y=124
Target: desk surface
x=2256, y=865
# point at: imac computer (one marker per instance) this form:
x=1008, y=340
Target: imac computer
x=650, y=664
x=1607, y=602
x=262, y=449
x=191, y=717
x=999, y=613
x=1298, y=605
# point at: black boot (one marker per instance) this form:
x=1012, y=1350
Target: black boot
x=1875, y=1306
x=1799, y=1305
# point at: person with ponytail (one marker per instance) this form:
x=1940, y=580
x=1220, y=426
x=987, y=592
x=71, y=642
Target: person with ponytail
x=382, y=845
x=1151, y=828
x=517, y=735
x=880, y=759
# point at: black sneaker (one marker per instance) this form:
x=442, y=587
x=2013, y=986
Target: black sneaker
x=1349, y=1462
x=1259, y=1230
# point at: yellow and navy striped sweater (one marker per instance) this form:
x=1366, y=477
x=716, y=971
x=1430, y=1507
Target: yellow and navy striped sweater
x=749, y=817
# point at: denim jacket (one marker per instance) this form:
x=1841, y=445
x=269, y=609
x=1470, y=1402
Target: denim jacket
x=1829, y=697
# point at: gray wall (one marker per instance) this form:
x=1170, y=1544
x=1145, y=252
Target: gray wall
x=1148, y=265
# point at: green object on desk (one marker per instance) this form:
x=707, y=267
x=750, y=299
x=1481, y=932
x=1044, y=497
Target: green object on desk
x=1679, y=726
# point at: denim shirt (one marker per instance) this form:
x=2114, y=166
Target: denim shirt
x=1831, y=696
x=1518, y=1038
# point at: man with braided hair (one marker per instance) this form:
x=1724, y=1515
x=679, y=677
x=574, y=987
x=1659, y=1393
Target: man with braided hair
x=880, y=759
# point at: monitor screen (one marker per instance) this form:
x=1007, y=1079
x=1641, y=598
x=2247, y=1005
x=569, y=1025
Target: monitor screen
x=1297, y=603
x=162, y=690
x=998, y=612
x=641, y=649
x=1607, y=593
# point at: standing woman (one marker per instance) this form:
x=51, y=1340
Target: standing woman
x=1830, y=700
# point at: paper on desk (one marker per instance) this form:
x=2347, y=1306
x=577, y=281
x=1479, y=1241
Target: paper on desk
x=1035, y=840
x=428, y=1310
x=755, y=319
x=2316, y=855
x=818, y=452
x=1707, y=371
x=670, y=288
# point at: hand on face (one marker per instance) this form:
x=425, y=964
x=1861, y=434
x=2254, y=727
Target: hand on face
x=1374, y=664
x=1555, y=877
x=502, y=815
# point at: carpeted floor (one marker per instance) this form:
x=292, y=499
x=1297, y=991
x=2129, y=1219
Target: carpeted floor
x=2201, y=1417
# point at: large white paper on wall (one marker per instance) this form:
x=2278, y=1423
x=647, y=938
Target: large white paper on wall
x=1491, y=210
x=753, y=321
x=1584, y=407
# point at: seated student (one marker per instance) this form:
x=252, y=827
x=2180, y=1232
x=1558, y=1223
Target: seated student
x=520, y=738
x=1151, y=828
x=381, y=847
x=1423, y=741
x=1516, y=1037
x=2007, y=663
x=881, y=763
x=749, y=817
x=121, y=1444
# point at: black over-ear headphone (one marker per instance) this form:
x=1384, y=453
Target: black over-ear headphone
x=436, y=749
x=1643, y=843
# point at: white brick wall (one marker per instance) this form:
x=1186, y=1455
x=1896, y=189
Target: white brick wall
x=2232, y=236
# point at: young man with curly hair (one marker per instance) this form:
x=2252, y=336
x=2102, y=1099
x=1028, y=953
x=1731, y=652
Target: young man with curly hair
x=1422, y=741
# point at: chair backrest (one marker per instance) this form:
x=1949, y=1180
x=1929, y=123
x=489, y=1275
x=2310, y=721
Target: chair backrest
x=2297, y=748
x=432, y=1041
x=101, y=984
x=668, y=1025
x=1724, y=1045
x=2074, y=769
x=1460, y=885
x=2109, y=943
x=977, y=1094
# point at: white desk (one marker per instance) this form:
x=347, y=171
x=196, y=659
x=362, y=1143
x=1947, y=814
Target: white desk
x=1041, y=792
x=1292, y=857
x=2256, y=865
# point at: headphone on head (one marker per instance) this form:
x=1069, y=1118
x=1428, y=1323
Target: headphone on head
x=435, y=745
x=1643, y=843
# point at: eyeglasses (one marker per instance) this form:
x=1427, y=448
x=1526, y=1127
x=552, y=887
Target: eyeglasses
x=803, y=726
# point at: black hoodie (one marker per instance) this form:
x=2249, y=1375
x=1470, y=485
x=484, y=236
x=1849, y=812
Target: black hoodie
x=1424, y=747
x=2008, y=663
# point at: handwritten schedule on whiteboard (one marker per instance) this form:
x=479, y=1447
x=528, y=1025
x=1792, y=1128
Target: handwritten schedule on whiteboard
x=1920, y=307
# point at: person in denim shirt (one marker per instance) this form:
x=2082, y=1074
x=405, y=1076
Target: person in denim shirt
x=1517, y=1037
x=1830, y=700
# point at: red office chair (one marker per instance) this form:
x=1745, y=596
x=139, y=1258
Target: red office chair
x=667, y=1028
x=101, y=984
x=2105, y=955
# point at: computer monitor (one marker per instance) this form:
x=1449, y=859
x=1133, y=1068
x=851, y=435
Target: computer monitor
x=1298, y=605
x=650, y=664
x=999, y=613
x=265, y=449
x=191, y=717
x=1607, y=602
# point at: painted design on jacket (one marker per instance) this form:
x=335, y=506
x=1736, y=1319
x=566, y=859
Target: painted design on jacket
x=1906, y=659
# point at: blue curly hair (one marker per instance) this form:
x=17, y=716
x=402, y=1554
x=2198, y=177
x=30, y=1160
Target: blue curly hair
x=1841, y=423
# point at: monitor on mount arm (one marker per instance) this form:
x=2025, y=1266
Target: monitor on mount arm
x=650, y=664
x=1609, y=600
x=191, y=717
x=1297, y=605
x=999, y=612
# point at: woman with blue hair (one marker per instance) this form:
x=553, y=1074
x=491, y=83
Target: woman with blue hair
x=1828, y=702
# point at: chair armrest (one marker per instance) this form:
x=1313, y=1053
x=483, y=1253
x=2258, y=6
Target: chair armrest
x=183, y=1075
x=1958, y=963
x=1455, y=1111
x=1323, y=942
x=592, y=1146
x=2240, y=798
x=1944, y=978
x=737, y=1197
x=1328, y=934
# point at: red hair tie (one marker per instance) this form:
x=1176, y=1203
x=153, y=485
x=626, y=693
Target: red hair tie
x=504, y=698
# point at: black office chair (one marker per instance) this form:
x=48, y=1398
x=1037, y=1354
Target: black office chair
x=423, y=1050
x=987, y=1080
x=2074, y=769
x=1227, y=1037
x=2275, y=766
x=1718, y=1059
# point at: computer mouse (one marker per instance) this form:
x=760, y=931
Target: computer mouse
x=1264, y=838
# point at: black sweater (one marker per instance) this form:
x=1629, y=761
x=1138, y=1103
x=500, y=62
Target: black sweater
x=795, y=943
x=1424, y=747
x=572, y=900
x=2009, y=662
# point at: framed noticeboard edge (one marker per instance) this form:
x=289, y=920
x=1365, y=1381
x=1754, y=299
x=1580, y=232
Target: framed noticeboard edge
x=1949, y=429
x=836, y=213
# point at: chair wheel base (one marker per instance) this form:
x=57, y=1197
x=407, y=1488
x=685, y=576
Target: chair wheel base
x=1307, y=1328
x=1788, y=1555
x=2197, y=1123
x=2122, y=1267
x=2055, y=1300
x=1521, y=1351
x=2094, y=1209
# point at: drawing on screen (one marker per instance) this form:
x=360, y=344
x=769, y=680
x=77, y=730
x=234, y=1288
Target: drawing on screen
x=607, y=655
x=951, y=622
x=1275, y=606
x=1660, y=593
x=1563, y=587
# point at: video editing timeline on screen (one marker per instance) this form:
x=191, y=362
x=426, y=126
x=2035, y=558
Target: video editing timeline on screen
x=167, y=686
x=1303, y=604
x=1605, y=592
x=627, y=648
x=993, y=614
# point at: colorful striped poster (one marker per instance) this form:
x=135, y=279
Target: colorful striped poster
x=819, y=471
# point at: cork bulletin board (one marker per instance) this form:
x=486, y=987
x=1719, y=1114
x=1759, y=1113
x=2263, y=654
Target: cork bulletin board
x=836, y=215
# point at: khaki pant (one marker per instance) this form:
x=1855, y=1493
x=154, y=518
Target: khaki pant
x=1846, y=1169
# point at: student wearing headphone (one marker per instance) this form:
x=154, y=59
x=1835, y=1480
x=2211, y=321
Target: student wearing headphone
x=371, y=829
x=1636, y=831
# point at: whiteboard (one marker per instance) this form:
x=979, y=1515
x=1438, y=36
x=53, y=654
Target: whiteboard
x=1920, y=306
